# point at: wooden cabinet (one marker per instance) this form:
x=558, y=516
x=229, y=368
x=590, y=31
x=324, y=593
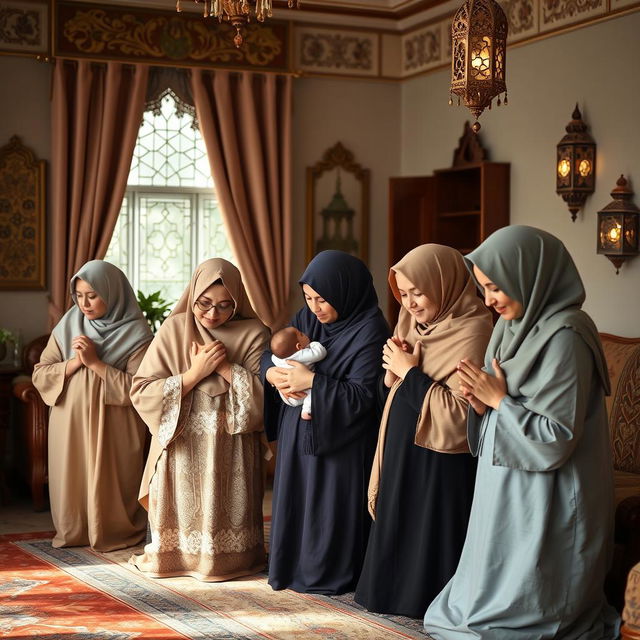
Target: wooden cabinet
x=458, y=207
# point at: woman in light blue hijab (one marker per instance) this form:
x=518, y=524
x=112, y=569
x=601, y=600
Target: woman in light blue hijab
x=540, y=534
x=96, y=438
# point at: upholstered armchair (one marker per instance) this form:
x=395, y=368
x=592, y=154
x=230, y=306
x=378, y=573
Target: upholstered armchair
x=623, y=407
x=35, y=423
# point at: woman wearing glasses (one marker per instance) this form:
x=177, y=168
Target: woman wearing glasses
x=199, y=392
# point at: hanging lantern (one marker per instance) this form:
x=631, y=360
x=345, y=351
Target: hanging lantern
x=576, y=164
x=618, y=226
x=237, y=12
x=478, y=55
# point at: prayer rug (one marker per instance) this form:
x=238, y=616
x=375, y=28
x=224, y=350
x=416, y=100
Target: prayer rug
x=53, y=594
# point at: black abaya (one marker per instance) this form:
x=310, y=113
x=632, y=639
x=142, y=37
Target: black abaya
x=422, y=513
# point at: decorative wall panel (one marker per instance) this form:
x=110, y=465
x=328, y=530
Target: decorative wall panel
x=522, y=16
x=104, y=32
x=557, y=13
x=336, y=51
x=617, y=5
x=422, y=49
x=24, y=27
x=22, y=218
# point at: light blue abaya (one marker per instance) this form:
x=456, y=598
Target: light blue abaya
x=540, y=533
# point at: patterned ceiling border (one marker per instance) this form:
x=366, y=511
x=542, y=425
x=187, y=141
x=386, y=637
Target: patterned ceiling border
x=529, y=20
x=104, y=32
x=107, y=32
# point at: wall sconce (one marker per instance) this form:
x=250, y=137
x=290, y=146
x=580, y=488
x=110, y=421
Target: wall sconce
x=576, y=164
x=478, y=55
x=618, y=226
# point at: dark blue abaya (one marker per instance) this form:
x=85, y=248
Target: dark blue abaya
x=320, y=524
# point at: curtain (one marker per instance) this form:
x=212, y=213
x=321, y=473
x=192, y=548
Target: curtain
x=96, y=114
x=245, y=120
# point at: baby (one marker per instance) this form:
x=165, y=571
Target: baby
x=291, y=344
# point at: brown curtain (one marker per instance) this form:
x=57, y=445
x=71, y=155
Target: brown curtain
x=245, y=120
x=96, y=113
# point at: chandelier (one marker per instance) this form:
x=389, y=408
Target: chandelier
x=237, y=12
x=478, y=55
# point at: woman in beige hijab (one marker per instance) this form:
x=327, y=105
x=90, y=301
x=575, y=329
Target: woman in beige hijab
x=423, y=476
x=96, y=439
x=199, y=393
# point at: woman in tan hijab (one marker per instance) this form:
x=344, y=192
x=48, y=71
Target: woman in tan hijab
x=423, y=476
x=199, y=393
x=96, y=439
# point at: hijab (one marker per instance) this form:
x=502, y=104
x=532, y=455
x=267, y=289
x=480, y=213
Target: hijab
x=183, y=328
x=346, y=284
x=535, y=268
x=461, y=328
x=351, y=340
x=120, y=332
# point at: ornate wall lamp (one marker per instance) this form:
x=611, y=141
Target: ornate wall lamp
x=478, y=55
x=618, y=225
x=576, y=164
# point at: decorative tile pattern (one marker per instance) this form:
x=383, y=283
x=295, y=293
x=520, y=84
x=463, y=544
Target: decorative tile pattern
x=422, y=49
x=24, y=27
x=522, y=16
x=556, y=13
x=336, y=51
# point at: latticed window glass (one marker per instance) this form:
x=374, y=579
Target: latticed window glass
x=170, y=219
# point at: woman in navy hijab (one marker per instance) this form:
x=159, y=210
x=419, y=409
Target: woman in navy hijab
x=320, y=523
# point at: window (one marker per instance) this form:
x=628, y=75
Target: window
x=170, y=218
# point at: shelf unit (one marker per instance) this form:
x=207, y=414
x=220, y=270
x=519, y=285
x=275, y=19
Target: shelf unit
x=458, y=207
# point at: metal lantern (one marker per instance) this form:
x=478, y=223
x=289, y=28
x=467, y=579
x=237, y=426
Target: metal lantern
x=618, y=226
x=576, y=164
x=478, y=55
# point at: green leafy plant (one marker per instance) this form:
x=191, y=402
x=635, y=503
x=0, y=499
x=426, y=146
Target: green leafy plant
x=6, y=336
x=154, y=308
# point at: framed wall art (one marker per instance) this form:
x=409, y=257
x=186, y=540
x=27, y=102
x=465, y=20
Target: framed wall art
x=22, y=218
x=338, y=204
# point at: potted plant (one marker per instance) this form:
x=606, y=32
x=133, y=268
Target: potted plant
x=154, y=308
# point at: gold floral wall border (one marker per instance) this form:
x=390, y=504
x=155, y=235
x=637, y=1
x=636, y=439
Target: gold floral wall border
x=24, y=27
x=105, y=32
x=22, y=218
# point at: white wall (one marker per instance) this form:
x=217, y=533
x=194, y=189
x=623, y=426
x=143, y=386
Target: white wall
x=24, y=111
x=364, y=116
x=593, y=66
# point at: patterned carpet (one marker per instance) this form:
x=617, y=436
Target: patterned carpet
x=54, y=594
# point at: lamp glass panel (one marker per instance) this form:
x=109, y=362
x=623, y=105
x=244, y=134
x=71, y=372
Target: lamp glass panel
x=610, y=233
x=481, y=58
x=584, y=168
x=631, y=233
x=564, y=168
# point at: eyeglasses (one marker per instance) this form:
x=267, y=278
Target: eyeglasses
x=221, y=307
